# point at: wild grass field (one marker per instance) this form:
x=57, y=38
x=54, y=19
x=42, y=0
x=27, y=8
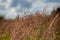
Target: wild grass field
x=32, y=27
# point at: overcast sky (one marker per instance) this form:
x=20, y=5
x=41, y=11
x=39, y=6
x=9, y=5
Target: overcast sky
x=11, y=8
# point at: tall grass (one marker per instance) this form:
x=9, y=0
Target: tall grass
x=33, y=27
x=4, y=36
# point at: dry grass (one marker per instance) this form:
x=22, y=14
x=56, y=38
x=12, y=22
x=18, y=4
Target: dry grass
x=33, y=27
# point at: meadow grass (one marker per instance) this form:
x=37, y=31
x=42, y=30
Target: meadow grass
x=4, y=36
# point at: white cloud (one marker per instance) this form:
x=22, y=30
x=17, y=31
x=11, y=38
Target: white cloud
x=8, y=4
x=51, y=6
x=10, y=13
x=41, y=4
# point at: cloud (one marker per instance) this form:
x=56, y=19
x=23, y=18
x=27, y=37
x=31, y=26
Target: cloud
x=11, y=8
x=6, y=10
x=41, y=4
x=11, y=14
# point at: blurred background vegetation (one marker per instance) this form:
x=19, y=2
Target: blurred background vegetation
x=1, y=17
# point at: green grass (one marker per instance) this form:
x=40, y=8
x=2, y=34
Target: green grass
x=4, y=36
x=38, y=37
x=58, y=33
x=30, y=37
x=39, y=31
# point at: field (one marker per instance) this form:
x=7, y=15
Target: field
x=32, y=27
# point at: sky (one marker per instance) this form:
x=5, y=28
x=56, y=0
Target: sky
x=9, y=9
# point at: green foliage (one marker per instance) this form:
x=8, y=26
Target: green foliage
x=1, y=17
x=4, y=36
x=30, y=37
x=38, y=37
x=40, y=34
